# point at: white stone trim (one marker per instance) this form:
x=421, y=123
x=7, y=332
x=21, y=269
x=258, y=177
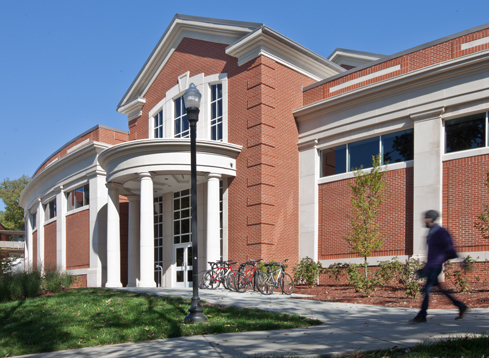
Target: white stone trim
x=365, y=78
x=465, y=154
x=351, y=175
x=133, y=109
x=47, y=222
x=474, y=43
x=77, y=210
x=79, y=145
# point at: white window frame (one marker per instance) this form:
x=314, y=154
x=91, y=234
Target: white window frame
x=203, y=84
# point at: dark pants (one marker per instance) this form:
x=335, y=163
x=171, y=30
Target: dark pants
x=432, y=280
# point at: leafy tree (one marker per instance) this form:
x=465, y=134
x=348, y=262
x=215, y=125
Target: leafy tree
x=13, y=216
x=482, y=223
x=369, y=191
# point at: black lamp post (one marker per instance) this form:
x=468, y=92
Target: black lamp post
x=192, y=102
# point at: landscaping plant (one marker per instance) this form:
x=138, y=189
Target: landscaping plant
x=369, y=192
x=307, y=272
x=459, y=276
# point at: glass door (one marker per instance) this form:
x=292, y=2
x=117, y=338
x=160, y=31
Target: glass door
x=183, y=265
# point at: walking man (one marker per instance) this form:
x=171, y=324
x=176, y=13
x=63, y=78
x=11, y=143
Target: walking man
x=440, y=249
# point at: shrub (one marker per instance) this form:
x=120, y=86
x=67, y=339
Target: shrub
x=32, y=283
x=360, y=282
x=307, y=272
x=459, y=277
x=336, y=270
x=54, y=281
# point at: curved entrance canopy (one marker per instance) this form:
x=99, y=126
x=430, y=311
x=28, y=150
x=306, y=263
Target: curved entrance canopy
x=168, y=160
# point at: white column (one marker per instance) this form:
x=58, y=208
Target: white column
x=133, y=242
x=28, y=242
x=146, y=269
x=113, y=237
x=61, y=207
x=97, y=274
x=213, y=221
x=428, y=175
x=308, y=200
x=40, y=236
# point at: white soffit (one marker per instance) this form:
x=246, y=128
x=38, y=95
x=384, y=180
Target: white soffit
x=179, y=29
x=285, y=52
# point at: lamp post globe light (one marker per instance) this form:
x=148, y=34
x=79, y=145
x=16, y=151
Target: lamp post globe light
x=192, y=103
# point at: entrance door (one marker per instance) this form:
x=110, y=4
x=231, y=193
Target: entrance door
x=183, y=265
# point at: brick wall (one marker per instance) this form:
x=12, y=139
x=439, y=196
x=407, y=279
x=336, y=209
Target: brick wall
x=78, y=240
x=97, y=135
x=263, y=198
x=395, y=217
x=80, y=281
x=464, y=195
x=410, y=62
x=34, y=250
x=50, y=246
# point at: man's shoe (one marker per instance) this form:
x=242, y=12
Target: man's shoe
x=418, y=319
x=461, y=312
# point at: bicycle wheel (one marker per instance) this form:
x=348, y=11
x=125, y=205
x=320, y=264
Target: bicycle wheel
x=264, y=284
x=230, y=280
x=225, y=279
x=201, y=279
x=240, y=282
x=287, y=284
x=209, y=281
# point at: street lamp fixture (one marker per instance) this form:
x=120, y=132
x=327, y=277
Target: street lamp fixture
x=192, y=103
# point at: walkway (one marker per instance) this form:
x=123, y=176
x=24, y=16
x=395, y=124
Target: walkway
x=347, y=328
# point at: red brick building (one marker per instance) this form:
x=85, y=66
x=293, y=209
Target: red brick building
x=279, y=127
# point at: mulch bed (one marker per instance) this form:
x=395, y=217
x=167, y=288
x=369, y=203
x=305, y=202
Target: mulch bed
x=476, y=297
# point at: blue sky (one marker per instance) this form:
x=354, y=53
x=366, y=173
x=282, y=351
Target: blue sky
x=65, y=65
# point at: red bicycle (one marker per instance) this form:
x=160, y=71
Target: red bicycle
x=218, y=274
x=247, y=277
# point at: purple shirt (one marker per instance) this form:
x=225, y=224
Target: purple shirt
x=440, y=247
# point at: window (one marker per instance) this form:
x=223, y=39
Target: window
x=34, y=221
x=333, y=161
x=158, y=125
x=465, y=133
x=360, y=153
x=216, y=112
x=398, y=147
x=181, y=217
x=394, y=148
x=78, y=197
x=50, y=210
x=182, y=129
x=158, y=237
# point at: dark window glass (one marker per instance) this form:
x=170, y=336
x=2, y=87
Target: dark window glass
x=360, y=153
x=398, y=147
x=333, y=161
x=465, y=133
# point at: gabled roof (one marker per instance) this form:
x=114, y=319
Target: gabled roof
x=353, y=57
x=246, y=41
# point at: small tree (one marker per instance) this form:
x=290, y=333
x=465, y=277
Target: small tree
x=369, y=191
x=10, y=190
x=482, y=223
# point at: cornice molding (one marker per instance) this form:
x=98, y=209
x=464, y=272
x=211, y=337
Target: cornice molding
x=407, y=82
x=269, y=43
x=177, y=30
x=133, y=109
x=428, y=115
x=90, y=150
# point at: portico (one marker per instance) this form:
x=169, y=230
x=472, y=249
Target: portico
x=142, y=170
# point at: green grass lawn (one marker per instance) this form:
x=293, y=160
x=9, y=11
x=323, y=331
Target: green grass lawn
x=91, y=317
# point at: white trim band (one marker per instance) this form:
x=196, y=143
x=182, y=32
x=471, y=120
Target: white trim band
x=365, y=78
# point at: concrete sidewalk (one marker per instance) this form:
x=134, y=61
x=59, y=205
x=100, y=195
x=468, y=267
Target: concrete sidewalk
x=346, y=328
